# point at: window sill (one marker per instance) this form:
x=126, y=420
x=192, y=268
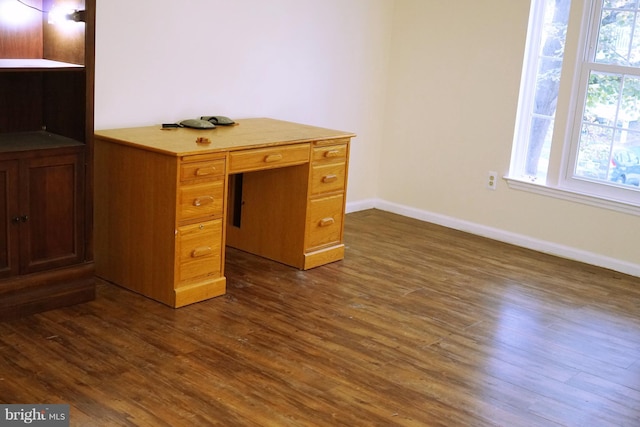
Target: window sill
x=574, y=196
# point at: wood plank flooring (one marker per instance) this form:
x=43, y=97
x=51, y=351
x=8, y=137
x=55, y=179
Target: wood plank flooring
x=419, y=326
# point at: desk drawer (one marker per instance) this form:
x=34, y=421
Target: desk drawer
x=327, y=177
x=324, y=221
x=203, y=200
x=268, y=158
x=330, y=152
x=199, y=250
x=200, y=170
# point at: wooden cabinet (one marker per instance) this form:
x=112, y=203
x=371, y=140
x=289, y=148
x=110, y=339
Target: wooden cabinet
x=199, y=242
x=159, y=222
x=44, y=211
x=46, y=133
x=326, y=203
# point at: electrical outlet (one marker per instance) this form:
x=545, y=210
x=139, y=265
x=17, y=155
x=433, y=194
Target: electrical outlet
x=492, y=180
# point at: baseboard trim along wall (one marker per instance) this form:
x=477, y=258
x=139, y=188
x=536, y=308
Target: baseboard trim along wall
x=500, y=235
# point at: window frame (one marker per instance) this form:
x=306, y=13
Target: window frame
x=527, y=91
x=582, y=37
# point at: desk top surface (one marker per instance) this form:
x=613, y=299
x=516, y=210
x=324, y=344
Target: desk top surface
x=248, y=133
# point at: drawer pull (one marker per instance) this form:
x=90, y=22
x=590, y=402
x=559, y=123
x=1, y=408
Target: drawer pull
x=332, y=153
x=200, y=201
x=325, y=222
x=273, y=158
x=205, y=171
x=329, y=178
x=201, y=251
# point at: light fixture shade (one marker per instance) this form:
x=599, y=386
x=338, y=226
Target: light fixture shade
x=78, y=16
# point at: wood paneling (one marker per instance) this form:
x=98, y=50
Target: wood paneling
x=64, y=104
x=20, y=35
x=419, y=325
x=21, y=105
x=65, y=42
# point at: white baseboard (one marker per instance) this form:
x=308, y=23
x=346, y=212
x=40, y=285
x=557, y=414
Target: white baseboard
x=500, y=235
x=362, y=205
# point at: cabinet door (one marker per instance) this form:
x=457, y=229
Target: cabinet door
x=9, y=220
x=51, y=202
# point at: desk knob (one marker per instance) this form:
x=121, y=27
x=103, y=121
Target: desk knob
x=325, y=222
x=205, y=171
x=203, y=201
x=201, y=251
x=273, y=158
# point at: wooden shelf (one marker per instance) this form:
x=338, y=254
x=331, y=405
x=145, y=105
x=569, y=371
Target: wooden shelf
x=39, y=140
x=32, y=64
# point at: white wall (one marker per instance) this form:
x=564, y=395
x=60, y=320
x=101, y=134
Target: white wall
x=429, y=86
x=320, y=62
x=453, y=90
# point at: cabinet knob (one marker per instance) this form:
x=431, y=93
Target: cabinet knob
x=15, y=219
x=201, y=251
x=205, y=171
x=203, y=201
x=273, y=158
x=329, y=178
x=325, y=222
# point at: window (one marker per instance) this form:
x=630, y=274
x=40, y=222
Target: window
x=599, y=154
x=540, y=87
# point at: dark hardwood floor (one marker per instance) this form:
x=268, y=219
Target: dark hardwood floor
x=418, y=326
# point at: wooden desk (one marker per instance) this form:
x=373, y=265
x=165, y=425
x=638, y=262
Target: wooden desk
x=167, y=206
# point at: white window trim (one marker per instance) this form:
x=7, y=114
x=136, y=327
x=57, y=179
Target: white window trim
x=526, y=91
x=558, y=185
x=573, y=196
